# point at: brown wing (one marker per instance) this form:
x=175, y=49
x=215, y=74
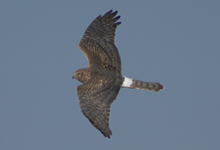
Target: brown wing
x=95, y=98
x=98, y=42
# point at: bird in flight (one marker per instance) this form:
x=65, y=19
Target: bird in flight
x=103, y=78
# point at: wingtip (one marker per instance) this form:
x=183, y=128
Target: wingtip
x=108, y=135
x=110, y=12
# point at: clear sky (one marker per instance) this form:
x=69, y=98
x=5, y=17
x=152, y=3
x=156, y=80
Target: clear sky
x=176, y=43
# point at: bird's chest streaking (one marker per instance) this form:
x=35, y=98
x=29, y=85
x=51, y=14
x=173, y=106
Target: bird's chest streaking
x=103, y=78
x=97, y=82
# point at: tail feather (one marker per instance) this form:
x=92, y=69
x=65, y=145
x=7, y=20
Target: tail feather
x=152, y=86
x=136, y=84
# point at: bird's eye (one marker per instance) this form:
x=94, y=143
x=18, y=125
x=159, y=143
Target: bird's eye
x=78, y=73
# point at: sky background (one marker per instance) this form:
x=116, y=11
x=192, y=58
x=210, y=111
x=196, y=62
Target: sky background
x=176, y=43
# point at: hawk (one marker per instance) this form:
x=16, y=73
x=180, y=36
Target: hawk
x=103, y=78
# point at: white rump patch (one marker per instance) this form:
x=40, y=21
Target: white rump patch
x=127, y=82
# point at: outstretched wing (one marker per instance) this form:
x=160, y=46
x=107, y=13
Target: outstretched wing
x=95, y=98
x=98, y=42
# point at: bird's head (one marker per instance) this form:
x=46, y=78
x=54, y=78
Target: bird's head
x=80, y=75
x=76, y=75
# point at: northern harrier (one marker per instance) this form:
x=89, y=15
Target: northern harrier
x=103, y=79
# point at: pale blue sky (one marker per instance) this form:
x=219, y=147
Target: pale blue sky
x=176, y=43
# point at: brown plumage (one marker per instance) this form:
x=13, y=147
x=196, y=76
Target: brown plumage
x=102, y=80
x=151, y=86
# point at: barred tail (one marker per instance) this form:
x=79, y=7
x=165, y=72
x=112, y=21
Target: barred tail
x=136, y=84
x=146, y=85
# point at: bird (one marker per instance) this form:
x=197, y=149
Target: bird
x=103, y=78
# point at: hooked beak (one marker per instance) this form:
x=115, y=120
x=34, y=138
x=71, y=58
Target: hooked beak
x=73, y=77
